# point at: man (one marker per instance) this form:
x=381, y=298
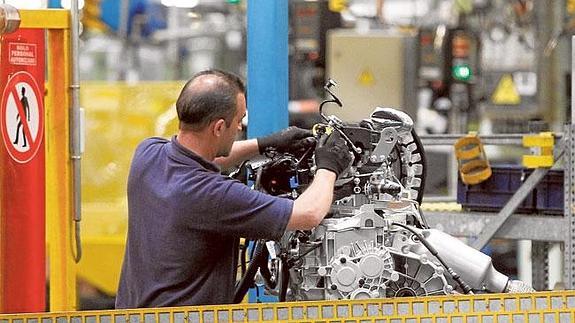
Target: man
x=185, y=218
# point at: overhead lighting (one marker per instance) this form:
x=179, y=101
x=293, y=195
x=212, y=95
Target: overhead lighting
x=180, y=3
x=28, y=4
x=67, y=4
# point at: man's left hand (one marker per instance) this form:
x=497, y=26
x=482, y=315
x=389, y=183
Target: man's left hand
x=292, y=139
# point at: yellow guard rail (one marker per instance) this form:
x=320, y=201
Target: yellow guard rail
x=558, y=306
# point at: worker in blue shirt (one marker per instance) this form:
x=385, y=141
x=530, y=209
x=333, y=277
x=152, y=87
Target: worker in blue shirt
x=185, y=218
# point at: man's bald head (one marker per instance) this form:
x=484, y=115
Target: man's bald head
x=210, y=95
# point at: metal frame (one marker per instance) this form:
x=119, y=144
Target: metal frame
x=59, y=204
x=483, y=226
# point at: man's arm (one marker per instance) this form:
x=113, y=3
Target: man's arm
x=282, y=141
x=241, y=150
x=331, y=159
x=312, y=206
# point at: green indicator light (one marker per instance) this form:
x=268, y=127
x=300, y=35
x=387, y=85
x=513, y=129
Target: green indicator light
x=462, y=72
x=234, y=1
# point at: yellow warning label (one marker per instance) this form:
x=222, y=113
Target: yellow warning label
x=337, y=5
x=506, y=93
x=366, y=78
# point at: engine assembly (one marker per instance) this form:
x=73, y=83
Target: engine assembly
x=375, y=242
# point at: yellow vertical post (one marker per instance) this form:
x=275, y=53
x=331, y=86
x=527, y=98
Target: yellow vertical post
x=59, y=174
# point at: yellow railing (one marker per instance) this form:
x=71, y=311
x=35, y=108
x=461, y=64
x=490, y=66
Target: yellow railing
x=557, y=306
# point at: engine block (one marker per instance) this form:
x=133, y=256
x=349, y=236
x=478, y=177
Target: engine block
x=362, y=256
x=375, y=241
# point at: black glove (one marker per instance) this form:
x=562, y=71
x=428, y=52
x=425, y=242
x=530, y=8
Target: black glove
x=333, y=155
x=292, y=139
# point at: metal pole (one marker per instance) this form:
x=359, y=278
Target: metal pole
x=569, y=198
x=75, y=131
x=267, y=51
x=123, y=69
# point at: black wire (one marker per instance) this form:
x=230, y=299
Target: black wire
x=260, y=254
x=243, y=256
x=293, y=260
x=284, y=281
x=464, y=286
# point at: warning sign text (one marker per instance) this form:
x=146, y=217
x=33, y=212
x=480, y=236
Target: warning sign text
x=22, y=54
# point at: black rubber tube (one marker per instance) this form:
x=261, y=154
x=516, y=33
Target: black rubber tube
x=247, y=280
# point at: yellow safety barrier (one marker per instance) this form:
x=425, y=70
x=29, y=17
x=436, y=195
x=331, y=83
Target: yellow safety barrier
x=118, y=117
x=557, y=306
x=474, y=167
x=542, y=147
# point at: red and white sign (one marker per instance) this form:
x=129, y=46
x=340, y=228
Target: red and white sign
x=22, y=54
x=22, y=172
x=23, y=114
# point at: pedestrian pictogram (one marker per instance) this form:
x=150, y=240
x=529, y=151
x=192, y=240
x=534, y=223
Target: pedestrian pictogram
x=22, y=114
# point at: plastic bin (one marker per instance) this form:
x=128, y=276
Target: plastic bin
x=549, y=193
x=492, y=194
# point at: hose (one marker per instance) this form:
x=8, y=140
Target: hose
x=247, y=281
x=464, y=286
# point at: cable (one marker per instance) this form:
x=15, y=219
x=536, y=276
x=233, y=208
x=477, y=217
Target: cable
x=464, y=286
x=247, y=280
x=244, y=253
x=284, y=281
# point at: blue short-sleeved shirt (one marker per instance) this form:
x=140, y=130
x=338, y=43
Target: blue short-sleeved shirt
x=185, y=220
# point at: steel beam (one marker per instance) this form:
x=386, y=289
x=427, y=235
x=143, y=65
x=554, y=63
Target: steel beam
x=491, y=228
x=569, y=202
x=495, y=139
x=517, y=227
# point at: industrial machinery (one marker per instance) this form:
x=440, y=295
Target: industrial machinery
x=375, y=242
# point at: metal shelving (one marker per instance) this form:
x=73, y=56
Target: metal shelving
x=481, y=227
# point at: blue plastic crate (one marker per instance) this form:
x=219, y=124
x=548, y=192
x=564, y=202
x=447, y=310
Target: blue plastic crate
x=492, y=194
x=550, y=193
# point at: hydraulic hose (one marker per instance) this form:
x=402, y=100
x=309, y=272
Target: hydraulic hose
x=456, y=277
x=247, y=281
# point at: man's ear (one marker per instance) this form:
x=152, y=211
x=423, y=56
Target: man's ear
x=219, y=127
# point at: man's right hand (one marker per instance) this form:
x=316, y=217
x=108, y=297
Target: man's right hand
x=333, y=155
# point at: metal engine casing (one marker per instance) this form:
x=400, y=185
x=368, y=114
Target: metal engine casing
x=370, y=245
x=361, y=257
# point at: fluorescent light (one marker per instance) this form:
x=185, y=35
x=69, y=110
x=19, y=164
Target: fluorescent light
x=67, y=4
x=28, y=4
x=180, y=3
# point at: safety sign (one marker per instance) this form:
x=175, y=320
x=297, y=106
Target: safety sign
x=22, y=113
x=506, y=92
x=366, y=78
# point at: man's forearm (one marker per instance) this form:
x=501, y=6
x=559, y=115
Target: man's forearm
x=313, y=204
x=241, y=150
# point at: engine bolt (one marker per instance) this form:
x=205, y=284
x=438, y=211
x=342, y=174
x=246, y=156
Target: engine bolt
x=361, y=282
x=342, y=260
x=333, y=287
